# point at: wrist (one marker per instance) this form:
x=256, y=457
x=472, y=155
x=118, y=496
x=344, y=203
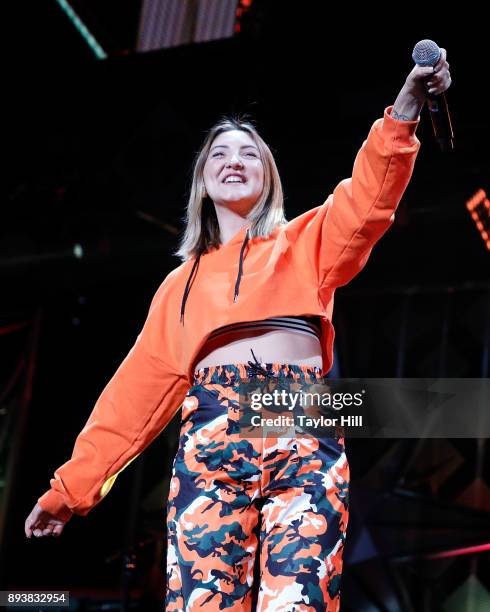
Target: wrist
x=415, y=91
x=408, y=104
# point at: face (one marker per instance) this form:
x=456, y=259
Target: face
x=234, y=154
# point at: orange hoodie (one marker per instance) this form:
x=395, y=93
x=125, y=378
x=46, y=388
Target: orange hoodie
x=293, y=272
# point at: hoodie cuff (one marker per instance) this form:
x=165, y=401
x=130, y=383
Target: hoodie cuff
x=401, y=131
x=52, y=502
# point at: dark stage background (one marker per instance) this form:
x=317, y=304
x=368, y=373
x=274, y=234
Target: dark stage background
x=98, y=155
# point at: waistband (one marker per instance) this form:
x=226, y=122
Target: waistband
x=231, y=373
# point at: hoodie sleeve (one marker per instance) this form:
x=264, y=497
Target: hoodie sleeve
x=336, y=238
x=136, y=405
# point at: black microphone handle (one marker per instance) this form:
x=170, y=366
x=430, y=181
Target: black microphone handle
x=441, y=121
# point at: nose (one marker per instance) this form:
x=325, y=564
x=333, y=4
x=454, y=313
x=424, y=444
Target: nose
x=234, y=161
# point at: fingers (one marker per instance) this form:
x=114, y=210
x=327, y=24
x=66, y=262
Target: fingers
x=32, y=521
x=47, y=531
x=42, y=528
x=441, y=64
x=28, y=526
x=440, y=79
x=442, y=60
x=33, y=529
x=57, y=530
x=439, y=85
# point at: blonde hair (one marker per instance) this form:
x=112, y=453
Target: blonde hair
x=201, y=223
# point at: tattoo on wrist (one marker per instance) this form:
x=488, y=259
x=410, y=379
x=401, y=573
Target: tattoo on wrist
x=395, y=115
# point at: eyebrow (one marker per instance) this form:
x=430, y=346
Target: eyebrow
x=227, y=147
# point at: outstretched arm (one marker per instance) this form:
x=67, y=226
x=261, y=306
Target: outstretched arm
x=335, y=239
x=135, y=406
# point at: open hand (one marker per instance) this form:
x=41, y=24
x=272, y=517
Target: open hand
x=42, y=523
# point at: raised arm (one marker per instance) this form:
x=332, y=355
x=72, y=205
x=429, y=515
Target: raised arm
x=334, y=240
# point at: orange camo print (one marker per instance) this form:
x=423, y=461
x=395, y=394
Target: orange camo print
x=231, y=496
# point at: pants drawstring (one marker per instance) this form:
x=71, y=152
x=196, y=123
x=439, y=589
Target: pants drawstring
x=255, y=365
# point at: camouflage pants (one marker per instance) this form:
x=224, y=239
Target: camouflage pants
x=258, y=523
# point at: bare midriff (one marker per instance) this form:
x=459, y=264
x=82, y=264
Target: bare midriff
x=274, y=346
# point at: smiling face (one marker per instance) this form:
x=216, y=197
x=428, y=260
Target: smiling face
x=233, y=173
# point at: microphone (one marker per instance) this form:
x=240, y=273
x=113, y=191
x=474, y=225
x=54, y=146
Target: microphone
x=427, y=53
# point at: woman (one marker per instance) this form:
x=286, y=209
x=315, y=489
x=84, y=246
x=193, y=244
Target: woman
x=253, y=298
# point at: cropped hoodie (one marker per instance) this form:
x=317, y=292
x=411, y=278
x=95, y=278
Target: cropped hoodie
x=292, y=272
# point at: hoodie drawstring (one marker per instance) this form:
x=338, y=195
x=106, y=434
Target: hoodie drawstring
x=237, y=284
x=240, y=267
x=187, y=289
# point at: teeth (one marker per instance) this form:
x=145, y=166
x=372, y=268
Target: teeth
x=233, y=179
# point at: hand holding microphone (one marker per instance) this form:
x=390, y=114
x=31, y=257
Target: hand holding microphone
x=429, y=79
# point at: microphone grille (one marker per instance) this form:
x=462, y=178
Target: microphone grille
x=426, y=53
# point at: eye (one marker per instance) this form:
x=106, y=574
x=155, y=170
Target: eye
x=217, y=153
x=252, y=154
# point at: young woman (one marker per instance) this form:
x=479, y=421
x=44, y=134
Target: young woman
x=253, y=522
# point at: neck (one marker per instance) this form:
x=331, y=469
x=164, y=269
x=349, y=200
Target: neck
x=230, y=222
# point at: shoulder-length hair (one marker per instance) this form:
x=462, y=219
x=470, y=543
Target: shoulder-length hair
x=201, y=223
